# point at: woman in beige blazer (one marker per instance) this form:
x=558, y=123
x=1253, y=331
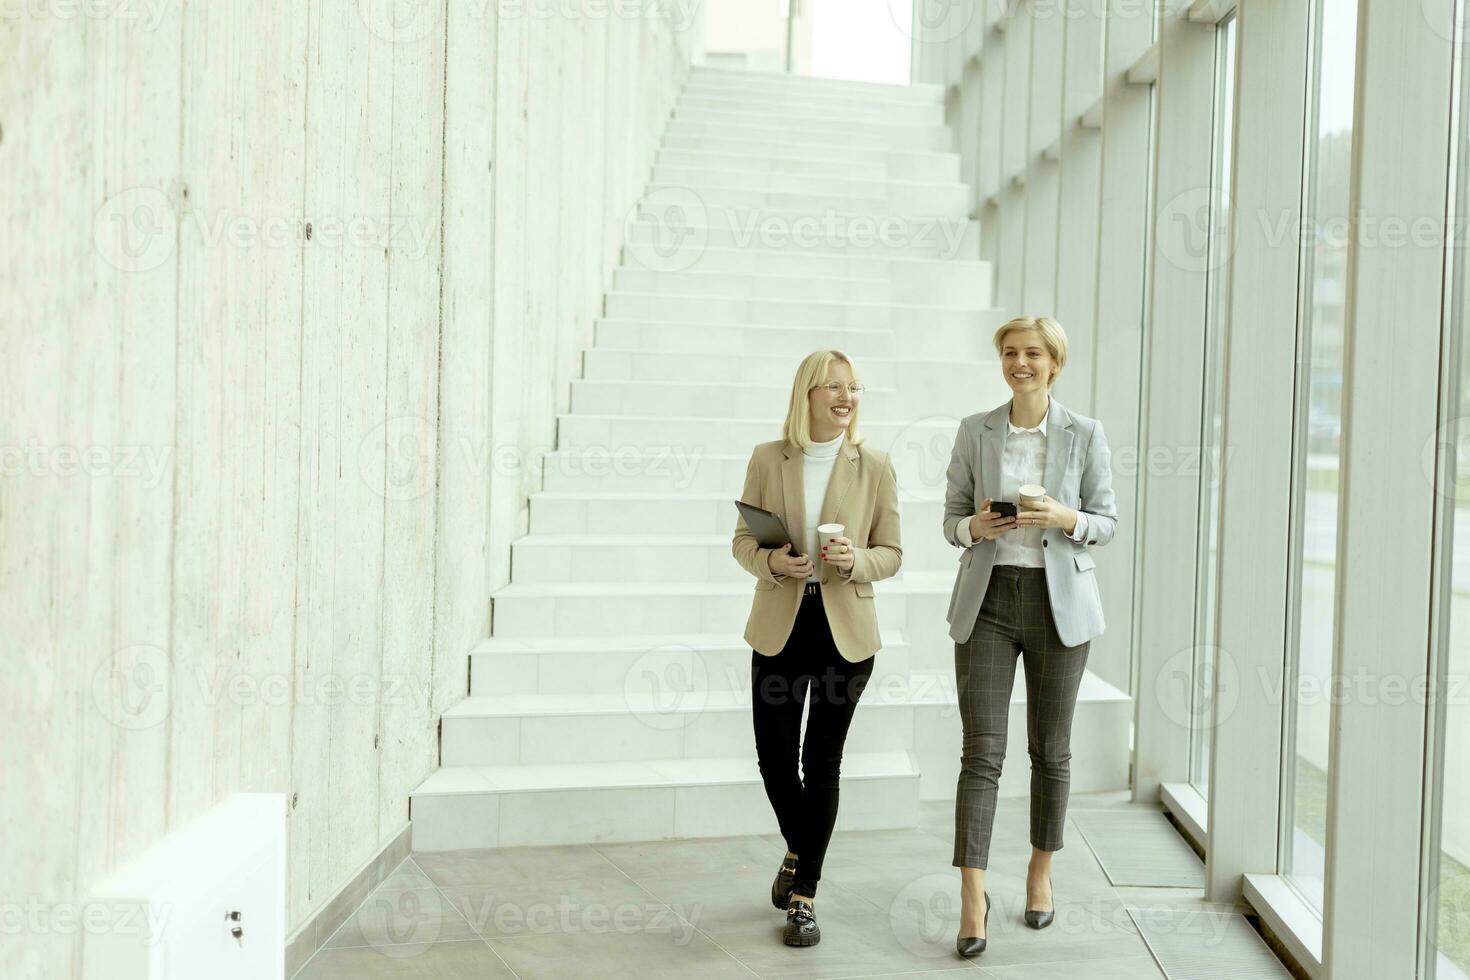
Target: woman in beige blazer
x=812, y=628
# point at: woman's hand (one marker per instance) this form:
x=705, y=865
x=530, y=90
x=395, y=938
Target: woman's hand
x=838, y=553
x=989, y=524
x=1046, y=512
x=782, y=563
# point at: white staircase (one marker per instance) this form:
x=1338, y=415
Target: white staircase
x=612, y=702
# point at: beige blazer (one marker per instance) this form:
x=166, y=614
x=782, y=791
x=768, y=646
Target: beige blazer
x=861, y=494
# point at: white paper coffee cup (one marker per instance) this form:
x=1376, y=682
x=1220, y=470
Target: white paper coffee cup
x=1032, y=492
x=825, y=531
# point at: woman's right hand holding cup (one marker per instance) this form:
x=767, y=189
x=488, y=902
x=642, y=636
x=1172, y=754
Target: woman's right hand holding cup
x=782, y=563
x=990, y=525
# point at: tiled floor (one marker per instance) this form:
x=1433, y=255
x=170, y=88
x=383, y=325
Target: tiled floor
x=888, y=905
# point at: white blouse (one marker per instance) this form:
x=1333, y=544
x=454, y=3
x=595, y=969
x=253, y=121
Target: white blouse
x=1022, y=460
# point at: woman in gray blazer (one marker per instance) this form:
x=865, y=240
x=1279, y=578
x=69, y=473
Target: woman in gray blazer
x=1026, y=586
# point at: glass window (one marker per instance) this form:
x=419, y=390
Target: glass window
x=1216, y=289
x=1307, y=715
x=1447, y=918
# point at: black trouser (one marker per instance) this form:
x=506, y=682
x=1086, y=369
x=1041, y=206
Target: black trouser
x=808, y=667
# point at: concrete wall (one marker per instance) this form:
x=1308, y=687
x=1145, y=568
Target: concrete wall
x=290, y=296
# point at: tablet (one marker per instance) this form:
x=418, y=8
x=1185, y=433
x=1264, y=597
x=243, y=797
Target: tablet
x=768, y=529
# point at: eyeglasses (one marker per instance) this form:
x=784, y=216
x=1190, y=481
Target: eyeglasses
x=835, y=387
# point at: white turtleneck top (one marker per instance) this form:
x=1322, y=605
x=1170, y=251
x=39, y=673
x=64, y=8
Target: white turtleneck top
x=816, y=471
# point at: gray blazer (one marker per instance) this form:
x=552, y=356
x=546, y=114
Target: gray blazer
x=1078, y=473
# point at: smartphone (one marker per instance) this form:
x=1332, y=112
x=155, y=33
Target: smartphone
x=1003, y=507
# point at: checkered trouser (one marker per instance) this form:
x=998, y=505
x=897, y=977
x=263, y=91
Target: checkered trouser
x=1015, y=619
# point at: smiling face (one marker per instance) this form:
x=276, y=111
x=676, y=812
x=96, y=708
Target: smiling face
x=1027, y=365
x=832, y=414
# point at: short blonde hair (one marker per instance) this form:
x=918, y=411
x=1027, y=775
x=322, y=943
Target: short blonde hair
x=1052, y=335
x=812, y=371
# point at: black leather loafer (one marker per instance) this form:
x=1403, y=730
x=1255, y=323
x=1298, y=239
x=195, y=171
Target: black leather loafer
x=968, y=946
x=785, y=882
x=1040, y=920
x=801, y=925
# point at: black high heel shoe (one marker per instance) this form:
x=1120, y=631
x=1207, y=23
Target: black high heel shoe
x=784, y=884
x=1040, y=920
x=968, y=946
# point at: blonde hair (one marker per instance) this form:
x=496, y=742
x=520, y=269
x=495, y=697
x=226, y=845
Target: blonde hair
x=1052, y=335
x=811, y=372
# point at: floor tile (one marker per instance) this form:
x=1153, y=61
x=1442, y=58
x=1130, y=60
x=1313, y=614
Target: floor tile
x=641, y=955
x=1103, y=967
x=480, y=867
x=425, y=961
x=753, y=853
x=561, y=906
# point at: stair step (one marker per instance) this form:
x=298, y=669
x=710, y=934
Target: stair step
x=758, y=92
x=786, y=108
x=647, y=557
x=703, y=438
x=748, y=80
x=914, y=604
x=683, y=240
x=648, y=721
x=630, y=327
x=754, y=260
x=687, y=513
x=602, y=664
x=893, y=201
x=724, y=174
x=964, y=331
x=733, y=285
x=916, y=281
x=508, y=806
x=919, y=454
x=886, y=129
x=669, y=334
x=940, y=166
x=593, y=396
x=902, y=139
x=981, y=373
